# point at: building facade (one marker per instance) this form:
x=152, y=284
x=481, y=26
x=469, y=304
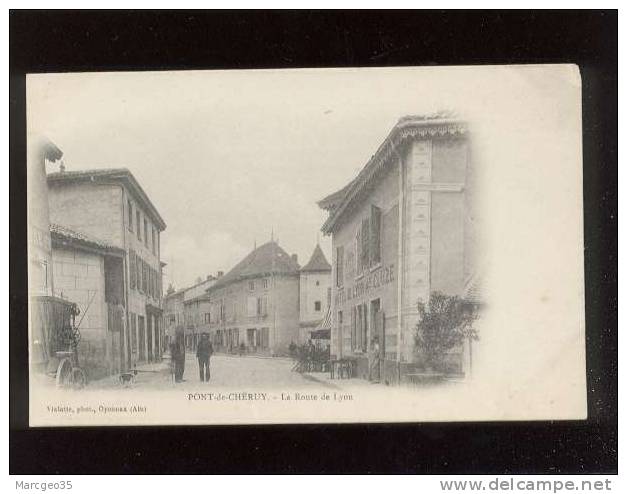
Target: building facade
x=253, y=308
x=315, y=294
x=173, y=314
x=402, y=229
x=111, y=206
x=89, y=273
x=196, y=310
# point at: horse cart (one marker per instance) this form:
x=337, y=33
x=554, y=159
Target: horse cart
x=55, y=338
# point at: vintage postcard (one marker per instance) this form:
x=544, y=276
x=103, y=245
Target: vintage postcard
x=306, y=246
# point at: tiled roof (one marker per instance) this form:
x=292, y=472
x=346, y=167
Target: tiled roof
x=331, y=201
x=317, y=262
x=65, y=235
x=114, y=174
x=267, y=259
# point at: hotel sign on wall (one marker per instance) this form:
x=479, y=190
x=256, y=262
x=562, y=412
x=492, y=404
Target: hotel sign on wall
x=382, y=276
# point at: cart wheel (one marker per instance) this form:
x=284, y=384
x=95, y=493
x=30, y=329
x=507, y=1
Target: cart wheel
x=64, y=373
x=79, y=379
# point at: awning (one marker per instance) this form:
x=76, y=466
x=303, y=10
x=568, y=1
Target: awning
x=323, y=330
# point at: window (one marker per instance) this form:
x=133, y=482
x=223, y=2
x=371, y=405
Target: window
x=251, y=285
x=339, y=266
x=146, y=232
x=317, y=282
x=265, y=283
x=154, y=246
x=317, y=306
x=262, y=306
x=207, y=318
x=359, y=327
x=138, y=223
x=130, y=215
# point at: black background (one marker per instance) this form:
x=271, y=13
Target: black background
x=63, y=41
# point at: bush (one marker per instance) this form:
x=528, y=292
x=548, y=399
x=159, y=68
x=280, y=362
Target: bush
x=444, y=324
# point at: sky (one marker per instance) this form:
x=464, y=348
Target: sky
x=231, y=158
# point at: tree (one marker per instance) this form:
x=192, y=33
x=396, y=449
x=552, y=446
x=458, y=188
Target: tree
x=444, y=324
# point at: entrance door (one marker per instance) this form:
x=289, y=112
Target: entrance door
x=378, y=330
x=142, y=337
x=149, y=333
x=252, y=338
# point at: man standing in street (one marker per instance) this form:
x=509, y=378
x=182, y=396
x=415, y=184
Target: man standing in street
x=203, y=354
x=177, y=353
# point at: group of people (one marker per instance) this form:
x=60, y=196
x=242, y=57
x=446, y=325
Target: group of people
x=309, y=357
x=204, y=350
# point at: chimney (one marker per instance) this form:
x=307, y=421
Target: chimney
x=295, y=258
x=220, y=273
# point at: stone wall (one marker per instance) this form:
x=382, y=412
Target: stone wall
x=79, y=277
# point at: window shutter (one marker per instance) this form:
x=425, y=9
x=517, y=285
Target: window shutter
x=365, y=241
x=354, y=328
x=364, y=335
x=144, y=276
x=339, y=266
x=375, y=235
x=131, y=268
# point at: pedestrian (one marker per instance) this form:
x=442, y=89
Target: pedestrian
x=375, y=361
x=204, y=350
x=178, y=354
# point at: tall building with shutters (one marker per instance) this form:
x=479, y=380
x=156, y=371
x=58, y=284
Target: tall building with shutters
x=402, y=229
x=111, y=206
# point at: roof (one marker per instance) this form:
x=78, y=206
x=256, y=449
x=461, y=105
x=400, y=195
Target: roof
x=317, y=262
x=411, y=126
x=112, y=174
x=331, y=201
x=62, y=235
x=267, y=259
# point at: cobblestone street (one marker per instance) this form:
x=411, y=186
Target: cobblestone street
x=226, y=372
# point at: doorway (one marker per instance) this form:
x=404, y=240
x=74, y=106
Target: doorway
x=378, y=331
x=141, y=323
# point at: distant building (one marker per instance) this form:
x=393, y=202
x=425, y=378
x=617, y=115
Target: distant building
x=173, y=314
x=110, y=205
x=255, y=303
x=315, y=294
x=401, y=229
x=195, y=307
x=266, y=302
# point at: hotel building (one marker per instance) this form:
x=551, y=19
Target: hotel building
x=402, y=229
